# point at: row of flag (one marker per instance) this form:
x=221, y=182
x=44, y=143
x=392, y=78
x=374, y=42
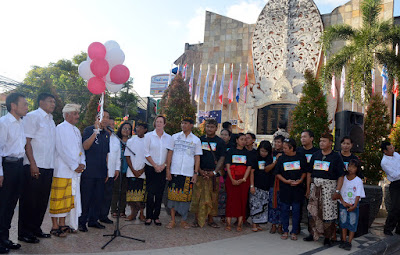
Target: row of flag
x=184, y=72
x=385, y=79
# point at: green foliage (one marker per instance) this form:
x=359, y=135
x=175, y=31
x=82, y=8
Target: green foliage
x=311, y=112
x=175, y=104
x=376, y=129
x=123, y=103
x=395, y=134
x=374, y=37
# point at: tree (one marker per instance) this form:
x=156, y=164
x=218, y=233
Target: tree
x=123, y=103
x=311, y=112
x=376, y=130
x=366, y=47
x=395, y=134
x=175, y=104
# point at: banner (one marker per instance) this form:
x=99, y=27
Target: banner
x=203, y=115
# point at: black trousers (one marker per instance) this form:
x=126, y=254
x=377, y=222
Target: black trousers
x=33, y=201
x=155, y=184
x=393, y=218
x=106, y=203
x=9, y=195
x=115, y=194
x=92, y=195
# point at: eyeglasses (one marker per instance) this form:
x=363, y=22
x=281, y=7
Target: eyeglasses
x=126, y=128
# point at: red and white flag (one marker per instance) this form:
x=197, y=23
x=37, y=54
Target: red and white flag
x=342, y=82
x=230, y=88
x=333, y=87
x=246, y=83
x=221, y=88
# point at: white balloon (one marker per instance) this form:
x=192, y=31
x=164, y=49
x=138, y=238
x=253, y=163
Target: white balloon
x=111, y=44
x=108, y=78
x=84, y=70
x=115, y=57
x=113, y=88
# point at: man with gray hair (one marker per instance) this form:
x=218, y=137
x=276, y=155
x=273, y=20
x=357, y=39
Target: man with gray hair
x=68, y=167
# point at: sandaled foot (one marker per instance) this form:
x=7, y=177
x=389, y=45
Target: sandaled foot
x=213, y=224
x=57, y=232
x=239, y=228
x=284, y=236
x=228, y=228
x=68, y=229
x=170, y=225
x=259, y=228
x=114, y=215
x=142, y=218
x=273, y=229
x=293, y=237
x=254, y=228
x=280, y=230
x=184, y=225
x=195, y=224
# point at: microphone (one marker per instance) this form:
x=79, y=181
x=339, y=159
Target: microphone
x=110, y=129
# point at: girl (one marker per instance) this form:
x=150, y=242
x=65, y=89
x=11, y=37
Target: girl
x=291, y=171
x=226, y=136
x=261, y=179
x=351, y=193
x=237, y=186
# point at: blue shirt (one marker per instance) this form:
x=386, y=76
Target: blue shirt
x=96, y=155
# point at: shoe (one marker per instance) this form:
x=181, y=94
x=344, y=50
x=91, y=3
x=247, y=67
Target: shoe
x=309, y=238
x=96, y=225
x=4, y=250
x=42, y=235
x=388, y=233
x=157, y=222
x=82, y=228
x=10, y=245
x=342, y=244
x=148, y=222
x=327, y=242
x=347, y=246
x=28, y=239
x=107, y=221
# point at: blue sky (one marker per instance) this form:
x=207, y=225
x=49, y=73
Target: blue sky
x=151, y=33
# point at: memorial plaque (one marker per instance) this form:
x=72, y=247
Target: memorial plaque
x=269, y=116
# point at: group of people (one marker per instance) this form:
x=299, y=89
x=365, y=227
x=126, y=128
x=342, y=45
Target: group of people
x=212, y=176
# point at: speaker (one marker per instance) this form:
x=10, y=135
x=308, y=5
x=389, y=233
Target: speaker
x=363, y=218
x=348, y=123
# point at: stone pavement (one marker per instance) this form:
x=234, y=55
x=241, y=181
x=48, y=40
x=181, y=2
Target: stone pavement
x=207, y=240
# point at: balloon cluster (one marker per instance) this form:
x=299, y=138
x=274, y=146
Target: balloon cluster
x=103, y=68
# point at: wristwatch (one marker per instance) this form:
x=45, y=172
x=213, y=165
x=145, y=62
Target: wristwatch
x=216, y=174
x=337, y=191
x=251, y=186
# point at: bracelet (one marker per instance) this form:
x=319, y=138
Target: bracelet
x=251, y=186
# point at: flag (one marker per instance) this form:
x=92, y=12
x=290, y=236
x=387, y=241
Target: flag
x=373, y=80
x=214, y=86
x=206, y=86
x=333, y=87
x=184, y=72
x=384, y=75
x=395, y=82
x=230, y=88
x=169, y=77
x=197, y=94
x=246, y=83
x=238, y=86
x=221, y=88
x=342, y=82
x=191, y=81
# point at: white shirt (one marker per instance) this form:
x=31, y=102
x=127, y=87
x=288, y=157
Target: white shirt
x=352, y=189
x=157, y=147
x=391, y=166
x=40, y=126
x=185, y=148
x=136, y=144
x=114, y=156
x=12, y=138
x=69, y=151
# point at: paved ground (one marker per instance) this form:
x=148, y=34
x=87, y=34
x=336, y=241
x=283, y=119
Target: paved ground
x=160, y=240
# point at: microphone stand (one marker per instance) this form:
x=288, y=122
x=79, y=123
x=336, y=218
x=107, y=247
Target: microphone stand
x=117, y=232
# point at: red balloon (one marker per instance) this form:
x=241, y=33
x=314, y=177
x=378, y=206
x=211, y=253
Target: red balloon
x=99, y=67
x=96, y=50
x=96, y=85
x=119, y=74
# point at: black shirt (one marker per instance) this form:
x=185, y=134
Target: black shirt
x=291, y=168
x=253, y=158
x=308, y=154
x=237, y=157
x=207, y=160
x=263, y=180
x=96, y=155
x=346, y=159
x=329, y=166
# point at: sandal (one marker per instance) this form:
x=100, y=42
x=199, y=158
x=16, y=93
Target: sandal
x=213, y=224
x=285, y=236
x=273, y=229
x=68, y=229
x=195, y=224
x=114, y=215
x=239, y=228
x=184, y=225
x=259, y=228
x=293, y=237
x=228, y=228
x=171, y=225
x=57, y=232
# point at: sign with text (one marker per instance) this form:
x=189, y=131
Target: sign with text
x=159, y=84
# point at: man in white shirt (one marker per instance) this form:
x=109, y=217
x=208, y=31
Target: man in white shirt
x=183, y=165
x=12, y=151
x=68, y=166
x=40, y=132
x=136, y=191
x=391, y=165
x=114, y=167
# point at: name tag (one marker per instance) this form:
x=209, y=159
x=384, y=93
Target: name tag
x=293, y=165
x=206, y=147
x=261, y=165
x=239, y=159
x=308, y=156
x=321, y=165
x=346, y=165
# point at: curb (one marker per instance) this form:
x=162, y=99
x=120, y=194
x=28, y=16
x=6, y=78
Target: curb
x=388, y=245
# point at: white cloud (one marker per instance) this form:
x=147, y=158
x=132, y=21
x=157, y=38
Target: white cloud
x=196, y=26
x=246, y=11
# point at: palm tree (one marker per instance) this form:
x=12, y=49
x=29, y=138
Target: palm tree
x=366, y=47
